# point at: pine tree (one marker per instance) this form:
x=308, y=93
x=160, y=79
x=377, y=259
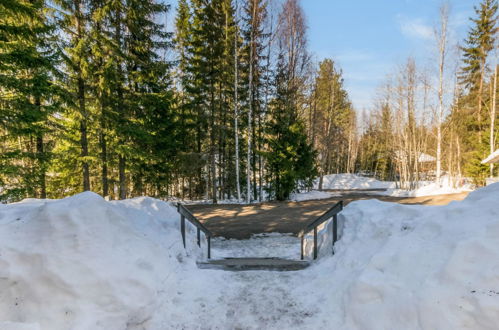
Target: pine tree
x=480, y=41
x=76, y=158
x=151, y=119
x=28, y=97
x=290, y=158
x=254, y=35
x=331, y=119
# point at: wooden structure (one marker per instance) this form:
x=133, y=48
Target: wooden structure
x=262, y=263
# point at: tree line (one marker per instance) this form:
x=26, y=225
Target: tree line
x=99, y=95
x=446, y=110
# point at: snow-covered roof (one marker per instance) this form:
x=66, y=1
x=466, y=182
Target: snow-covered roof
x=493, y=158
x=425, y=158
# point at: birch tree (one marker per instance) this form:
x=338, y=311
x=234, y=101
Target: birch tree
x=441, y=37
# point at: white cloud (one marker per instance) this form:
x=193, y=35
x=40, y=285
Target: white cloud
x=415, y=28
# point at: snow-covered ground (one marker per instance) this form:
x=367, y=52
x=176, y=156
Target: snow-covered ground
x=310, y=195
x=355, y=182
x=346, y=181
x=349, y=182
x=84, y=263
x=258, y=246
x=429, y=188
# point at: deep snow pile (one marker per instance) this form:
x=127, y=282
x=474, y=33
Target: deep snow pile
x=414, y=267
x=346, y=181
x=83, y=263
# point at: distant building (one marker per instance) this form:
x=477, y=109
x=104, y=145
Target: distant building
x=425, y=158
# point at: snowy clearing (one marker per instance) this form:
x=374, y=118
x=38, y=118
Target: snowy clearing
x=84, y=263
x=346, y=181
x=310, y=195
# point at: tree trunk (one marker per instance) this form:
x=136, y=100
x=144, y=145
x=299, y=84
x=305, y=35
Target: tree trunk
x=493, y=118
x=104, y=173
x=250, y=113
x=442, y=42
x=236, y=114
x=121, y=157
x=81, y=100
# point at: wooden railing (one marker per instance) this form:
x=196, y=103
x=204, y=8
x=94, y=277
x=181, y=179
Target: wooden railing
x=186, y=214
x=331, y=213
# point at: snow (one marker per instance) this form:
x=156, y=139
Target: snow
x=492, y=158
x=311, y=195
x=258, y=246
x=347, y=181
x=84, y=263
x=430, y=188
x=355, y=182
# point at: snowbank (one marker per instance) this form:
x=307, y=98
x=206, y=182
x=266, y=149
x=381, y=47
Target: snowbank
x=84, y=263
x=347, y=181
x=413, y=267
x=430, y=188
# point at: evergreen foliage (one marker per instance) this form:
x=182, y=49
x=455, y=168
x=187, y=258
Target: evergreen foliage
x=98, y=95
x=29, y=96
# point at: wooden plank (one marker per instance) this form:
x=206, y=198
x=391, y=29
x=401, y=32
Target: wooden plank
x=245, y=264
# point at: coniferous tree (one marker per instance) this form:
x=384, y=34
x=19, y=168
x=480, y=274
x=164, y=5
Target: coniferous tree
x=28, y=97
x=290, y=158
x=254, y=59
x=478, y=44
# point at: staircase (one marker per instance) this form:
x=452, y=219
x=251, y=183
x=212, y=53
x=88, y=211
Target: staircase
x=269, y=264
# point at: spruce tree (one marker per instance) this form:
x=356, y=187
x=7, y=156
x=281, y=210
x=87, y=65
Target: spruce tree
x=29, y=97
x=290, y=158
x=478, y=44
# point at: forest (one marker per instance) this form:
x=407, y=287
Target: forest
x=226, y=102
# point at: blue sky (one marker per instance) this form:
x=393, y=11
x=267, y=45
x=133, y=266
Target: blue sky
x=369, y=38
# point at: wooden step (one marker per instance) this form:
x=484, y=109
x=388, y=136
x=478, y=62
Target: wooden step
x=240, y=264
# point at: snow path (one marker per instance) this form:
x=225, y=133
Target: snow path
x=258, y=246
x=263, y=300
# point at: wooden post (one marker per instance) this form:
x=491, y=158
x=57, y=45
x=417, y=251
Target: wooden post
x=335, y=230
x=208, y=238
x=302, y=246
x=315, y=243
x=182, y=228
x=199, y=237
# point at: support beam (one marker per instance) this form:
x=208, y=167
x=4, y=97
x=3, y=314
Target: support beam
x=199, y=237
x=315, y=243
x=301, y=247
x=182, y=228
